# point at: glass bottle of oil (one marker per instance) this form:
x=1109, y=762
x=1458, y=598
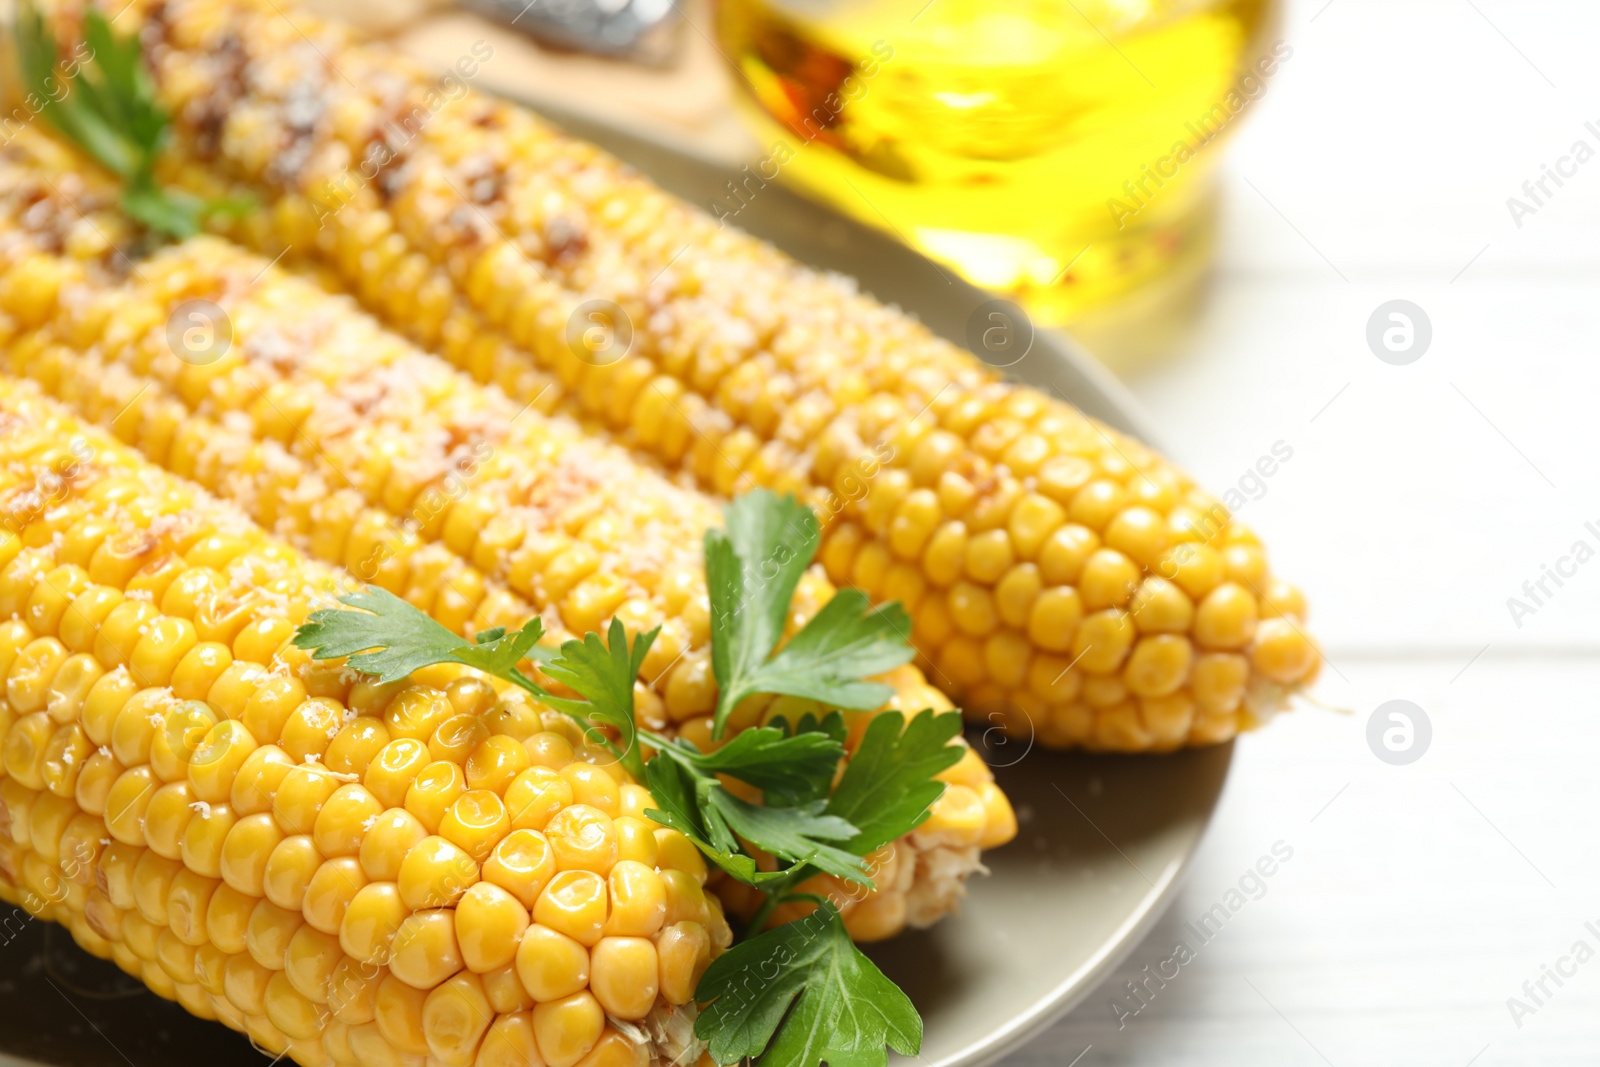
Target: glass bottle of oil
x=1060, y=150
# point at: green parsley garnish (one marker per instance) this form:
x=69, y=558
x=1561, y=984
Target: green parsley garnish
x=104, y=102
x=828, y=1003
x=752, y=569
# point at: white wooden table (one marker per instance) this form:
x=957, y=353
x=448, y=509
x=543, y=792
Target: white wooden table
x=1419, y=499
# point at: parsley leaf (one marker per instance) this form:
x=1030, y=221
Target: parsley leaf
x=390, y=638
x=888, y=785
x=788, y=770
x=802, y=994
x=798, y=834
x=673, y=788
x=700, y=808
x=751, y=573
x=104, y=102
x=842, y=644
x=603, y=674
x=752, y=569
x=830, y=725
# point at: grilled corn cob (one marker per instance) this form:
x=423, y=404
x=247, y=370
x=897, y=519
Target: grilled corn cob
x=1063, y=579
x=374, y=455
x=349, y=873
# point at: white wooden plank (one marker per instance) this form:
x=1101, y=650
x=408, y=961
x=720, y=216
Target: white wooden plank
x=1404, y=919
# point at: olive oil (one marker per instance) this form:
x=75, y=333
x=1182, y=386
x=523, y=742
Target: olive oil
x=1060, y=150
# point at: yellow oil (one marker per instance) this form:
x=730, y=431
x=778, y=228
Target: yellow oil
x=1060, y=150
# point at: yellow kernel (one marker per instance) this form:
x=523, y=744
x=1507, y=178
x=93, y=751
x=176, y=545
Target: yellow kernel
x=1159, y=665
x=1218, y=681
x=495, y=762
x=1245, y=564
x=1196, y=568
x=1063, y=555
x=1034, y=518
x=301, y=796
x=593, y=786
x=548, y=750
x=228, y=918
x=356, y=746
x=476, y=822
x=676, y=852
x=566, y=1029
x=1006, y=654
x=1108, y=580
x=257, y=780
x=624, y=976
x=582, y=838
x=972, y=608
x=1140, y=534
x=269, y=933
x=913, y=523
x=1226, y=618
x=394, y=769
x=574, y=903
x=370, y=920
x=489, y=924
x=416, y=712
x=311, y=728
x=509, y=1042
x=1280, y=599
x=1282, y=651
x=638, y=900
x=424, y=951
x=521, y=864
x=397, y=1012
x=1097, y=503
x=289, y=1011
x=387, y=842
x=1161, y=607
x=1102, y=641
x=435, y=873
x=330, y=892
x=205, y=836
x=1055, y=617
x=685, y=899
x=216, y=763
x=353, y=991
x=454, y=1019
x=309, y=962
x=435, y=788
x=988, y=556
x=290, y=869
x=944, y=559
x=684, y=951
x=550, y=964
x=636, y=837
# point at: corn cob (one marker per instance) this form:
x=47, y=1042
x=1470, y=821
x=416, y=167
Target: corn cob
x=343, y=438
x=1063, y=579
x=349, y=873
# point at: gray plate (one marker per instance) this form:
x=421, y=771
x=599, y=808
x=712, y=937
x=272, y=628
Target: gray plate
x=1104, y=840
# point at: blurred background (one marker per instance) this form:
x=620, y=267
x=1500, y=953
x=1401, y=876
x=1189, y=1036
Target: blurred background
x=1383, y=258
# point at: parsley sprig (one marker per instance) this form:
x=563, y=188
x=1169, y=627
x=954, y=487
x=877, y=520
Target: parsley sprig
x=800, y=994
x=752, y=569
x=104, y=101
